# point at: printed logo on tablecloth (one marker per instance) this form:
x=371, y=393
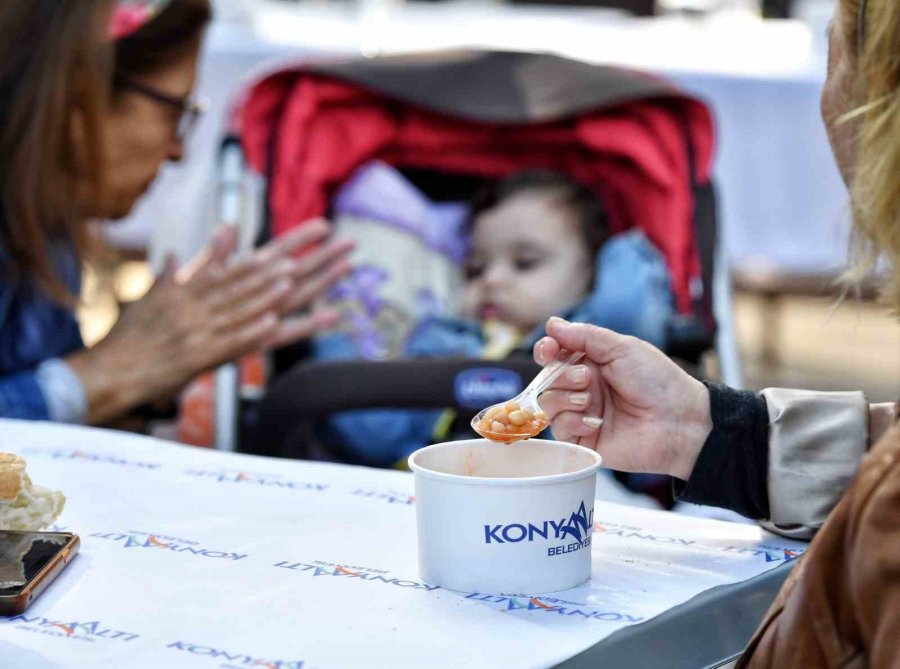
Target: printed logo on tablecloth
x=576, y=528
x=362, y=574
x=76, y=454
x=523, y=604
x=241, y=477
x=160, y=542
x=559, y=608
x=767, y=552
x=387, y=496
x=232, y=660
x=91, y=631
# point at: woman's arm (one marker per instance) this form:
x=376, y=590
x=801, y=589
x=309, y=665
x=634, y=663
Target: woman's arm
x=51, y=391
x=731, y=470
x=209, y=313
x=35, y=384
x=21, y=397
x=816, y=443
x=783, y=455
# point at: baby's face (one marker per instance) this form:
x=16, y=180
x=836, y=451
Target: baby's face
x=528, y=262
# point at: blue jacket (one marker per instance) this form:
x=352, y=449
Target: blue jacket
x=632, y=295
x=33, y=330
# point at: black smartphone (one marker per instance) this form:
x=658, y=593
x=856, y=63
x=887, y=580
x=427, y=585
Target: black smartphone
x=29, y=561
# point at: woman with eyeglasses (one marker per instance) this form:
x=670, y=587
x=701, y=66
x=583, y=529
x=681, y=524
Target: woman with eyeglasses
x=803, y=462
x=95, y=96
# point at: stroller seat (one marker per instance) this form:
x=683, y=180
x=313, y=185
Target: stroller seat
x=403, y=300
x=644, y=147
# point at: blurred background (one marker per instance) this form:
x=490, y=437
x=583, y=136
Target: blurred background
x=759, y=64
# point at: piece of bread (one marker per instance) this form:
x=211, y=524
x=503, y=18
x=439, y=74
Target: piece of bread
x=24, y=506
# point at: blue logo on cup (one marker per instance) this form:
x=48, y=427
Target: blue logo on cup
x=480, y=387
x=576, y=528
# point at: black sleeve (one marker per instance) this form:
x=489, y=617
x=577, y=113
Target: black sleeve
x=732, y=468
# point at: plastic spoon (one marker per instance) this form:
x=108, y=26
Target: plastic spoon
x=521, y=417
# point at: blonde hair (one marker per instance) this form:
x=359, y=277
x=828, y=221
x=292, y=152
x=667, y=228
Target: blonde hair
x=873, y=38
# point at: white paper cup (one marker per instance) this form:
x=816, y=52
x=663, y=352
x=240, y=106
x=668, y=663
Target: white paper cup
x=505, y=519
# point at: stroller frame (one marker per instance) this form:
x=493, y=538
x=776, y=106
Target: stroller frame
x=238, y=200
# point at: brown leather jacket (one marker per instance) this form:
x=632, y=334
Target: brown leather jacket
x=841, y=604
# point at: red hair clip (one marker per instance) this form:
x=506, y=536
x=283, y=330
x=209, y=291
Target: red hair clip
x=129, y=16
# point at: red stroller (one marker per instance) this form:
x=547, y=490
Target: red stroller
x=454, y=119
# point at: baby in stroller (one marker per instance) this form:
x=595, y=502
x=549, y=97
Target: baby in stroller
x=538, y=245
x=534, y=240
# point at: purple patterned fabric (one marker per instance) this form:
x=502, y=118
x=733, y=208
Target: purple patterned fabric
x=378, y=191
x=363, y=286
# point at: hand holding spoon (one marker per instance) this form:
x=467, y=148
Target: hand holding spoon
x=521, y=417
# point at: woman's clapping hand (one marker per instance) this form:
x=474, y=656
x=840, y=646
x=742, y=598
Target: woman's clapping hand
x=212, y=311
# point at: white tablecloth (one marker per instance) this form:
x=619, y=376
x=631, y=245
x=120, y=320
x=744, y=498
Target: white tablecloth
x=782, y=201
x=196, y=558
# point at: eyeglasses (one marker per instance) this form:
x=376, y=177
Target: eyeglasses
x=191, y=109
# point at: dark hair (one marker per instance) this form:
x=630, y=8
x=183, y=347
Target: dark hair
x=591, y=213
x=164, y=40
x=54, y=72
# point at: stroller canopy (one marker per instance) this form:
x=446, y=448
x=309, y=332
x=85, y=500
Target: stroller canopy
x=641, y=145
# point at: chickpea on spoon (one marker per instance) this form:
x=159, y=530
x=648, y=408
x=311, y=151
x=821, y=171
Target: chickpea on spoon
x=521, y=417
